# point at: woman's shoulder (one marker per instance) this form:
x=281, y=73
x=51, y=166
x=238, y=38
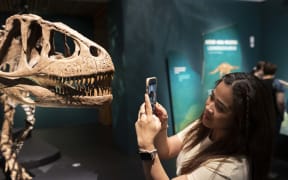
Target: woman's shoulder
x=181, y=134
x=221, y=169
x=232, y=167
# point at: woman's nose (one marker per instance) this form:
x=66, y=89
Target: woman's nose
x=209, y=107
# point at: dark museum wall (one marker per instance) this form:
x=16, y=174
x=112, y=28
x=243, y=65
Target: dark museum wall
x=152, y=29
x=276, y=36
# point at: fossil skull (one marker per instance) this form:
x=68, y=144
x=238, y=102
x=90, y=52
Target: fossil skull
x=33, y=72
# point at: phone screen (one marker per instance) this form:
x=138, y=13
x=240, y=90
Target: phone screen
x=151, y=85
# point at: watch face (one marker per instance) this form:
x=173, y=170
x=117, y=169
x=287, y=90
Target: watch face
x=146, y=156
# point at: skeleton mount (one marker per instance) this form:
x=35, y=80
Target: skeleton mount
x=33, y=73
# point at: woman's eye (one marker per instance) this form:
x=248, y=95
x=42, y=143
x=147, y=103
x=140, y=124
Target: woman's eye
x=219, y=108
x=212, y=96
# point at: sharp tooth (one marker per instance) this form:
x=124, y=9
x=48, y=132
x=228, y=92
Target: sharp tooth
x=71, y=82
x=74, y=83
x=100, y=91
x=95, y=92
x=57, y=89
x=79, y=82
x=92, y=80
x=84, y=81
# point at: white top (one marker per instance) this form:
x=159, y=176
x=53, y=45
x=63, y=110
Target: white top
x=215, y=169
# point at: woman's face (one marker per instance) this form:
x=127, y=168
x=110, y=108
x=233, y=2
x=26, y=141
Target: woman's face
x=218, y=113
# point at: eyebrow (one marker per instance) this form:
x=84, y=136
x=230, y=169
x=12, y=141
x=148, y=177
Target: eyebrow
x=223, y=104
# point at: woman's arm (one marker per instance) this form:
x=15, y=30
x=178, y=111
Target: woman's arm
x=147, y=127
x=168, y=147
x=154, y=170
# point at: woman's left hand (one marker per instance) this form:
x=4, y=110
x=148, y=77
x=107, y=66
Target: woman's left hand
x=147, y=126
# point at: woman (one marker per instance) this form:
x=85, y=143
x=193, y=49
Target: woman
x=231, y=140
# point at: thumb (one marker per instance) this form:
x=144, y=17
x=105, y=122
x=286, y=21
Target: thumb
x=157, y=121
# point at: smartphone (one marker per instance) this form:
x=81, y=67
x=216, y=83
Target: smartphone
x=151, y=90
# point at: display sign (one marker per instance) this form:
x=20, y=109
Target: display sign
x=185, y=90
x=222, y=55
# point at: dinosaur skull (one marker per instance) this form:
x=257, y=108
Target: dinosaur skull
x=33, y=72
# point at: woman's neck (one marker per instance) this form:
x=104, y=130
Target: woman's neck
x=216, y=134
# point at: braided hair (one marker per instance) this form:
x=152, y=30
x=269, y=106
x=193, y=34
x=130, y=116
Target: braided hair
x=251, y=133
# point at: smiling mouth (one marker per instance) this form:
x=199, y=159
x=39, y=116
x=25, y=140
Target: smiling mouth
x=206, y=116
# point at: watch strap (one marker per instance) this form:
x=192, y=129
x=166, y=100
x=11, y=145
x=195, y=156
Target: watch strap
x=147, y=155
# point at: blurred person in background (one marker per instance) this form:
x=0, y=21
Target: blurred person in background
x=278, y=93
x=258, y=69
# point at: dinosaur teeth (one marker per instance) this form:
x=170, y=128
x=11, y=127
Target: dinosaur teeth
x=96, y=85
x=92, y=80
x=71, y=82
x=84, y=81
x=88, y=81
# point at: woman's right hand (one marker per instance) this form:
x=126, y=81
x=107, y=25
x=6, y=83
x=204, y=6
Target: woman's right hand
x=161, y=113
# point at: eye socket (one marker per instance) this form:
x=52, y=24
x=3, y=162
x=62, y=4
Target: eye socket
x=94, y=51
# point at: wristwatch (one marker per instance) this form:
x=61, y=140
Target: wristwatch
x=147, y=155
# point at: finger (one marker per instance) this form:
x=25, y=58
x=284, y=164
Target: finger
x=141, y=110
x=160, y=110
x=159, y=107
x=142, y=116
x=148, y=108
x=142, y=107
